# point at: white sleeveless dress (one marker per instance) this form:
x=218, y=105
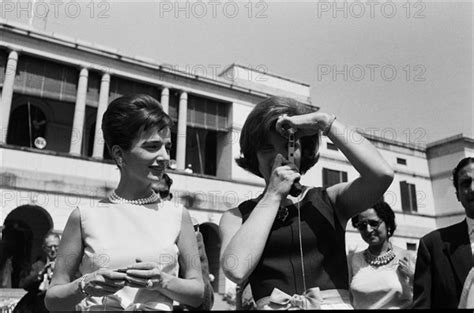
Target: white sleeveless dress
x=382, y=287
x=115, y=235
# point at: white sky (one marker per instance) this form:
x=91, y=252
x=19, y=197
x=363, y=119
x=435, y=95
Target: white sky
x=347, y=52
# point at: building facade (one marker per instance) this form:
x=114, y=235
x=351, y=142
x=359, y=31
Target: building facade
x=54, y=91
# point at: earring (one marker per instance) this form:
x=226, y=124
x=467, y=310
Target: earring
x=119, y=162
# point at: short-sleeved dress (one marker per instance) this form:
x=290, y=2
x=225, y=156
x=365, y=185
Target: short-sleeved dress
x=115, y=235
x=382, y=287
x=325, y=262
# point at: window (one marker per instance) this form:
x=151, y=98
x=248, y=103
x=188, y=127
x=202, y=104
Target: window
x=93, y=89
x=207, y=113
x=27, y=122
x=89, y=135
x=3, y=65
x=121, y=87
x=331, y=146
x=206, y=134
x=201, y=145
x=408, y=194
x=207, y=121
x=332, y=177
x=401, y=161
x=46, y=79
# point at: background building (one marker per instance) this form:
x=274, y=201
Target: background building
x=54, y=91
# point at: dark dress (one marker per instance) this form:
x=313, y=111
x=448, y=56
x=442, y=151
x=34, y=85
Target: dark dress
x=325, y=262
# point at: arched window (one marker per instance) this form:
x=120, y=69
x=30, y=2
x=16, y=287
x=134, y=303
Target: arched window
x=27, y=122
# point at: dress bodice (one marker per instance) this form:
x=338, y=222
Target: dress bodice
x=382, y=287
x=116, y=235
x=323, y=243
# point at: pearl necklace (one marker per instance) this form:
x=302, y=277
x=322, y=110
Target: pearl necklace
x=379, y=260
x=114, y=198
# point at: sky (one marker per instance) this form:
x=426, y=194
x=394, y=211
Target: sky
x=401, y=70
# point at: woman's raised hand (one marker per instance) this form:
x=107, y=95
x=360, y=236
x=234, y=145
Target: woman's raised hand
x=283, y=175
x=405, y=268
x=104, y=282
x=304, y=125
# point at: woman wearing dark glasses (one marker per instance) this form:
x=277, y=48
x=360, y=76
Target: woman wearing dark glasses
x=381, y=276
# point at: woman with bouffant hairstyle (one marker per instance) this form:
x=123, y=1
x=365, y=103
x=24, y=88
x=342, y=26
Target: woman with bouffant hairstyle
x=261, y=122
x=289, y=242
x=127, y=247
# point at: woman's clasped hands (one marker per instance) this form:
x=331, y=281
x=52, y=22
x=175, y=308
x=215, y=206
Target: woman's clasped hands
x=106, y=281
x=102, y=282
x=144, y=275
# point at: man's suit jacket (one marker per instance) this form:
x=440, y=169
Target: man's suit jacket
x=443, y=263
x=32, y=282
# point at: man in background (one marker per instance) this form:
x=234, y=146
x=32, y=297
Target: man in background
x=37, y=282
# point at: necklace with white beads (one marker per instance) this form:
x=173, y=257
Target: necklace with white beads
x=379, y=260
x=114, y=198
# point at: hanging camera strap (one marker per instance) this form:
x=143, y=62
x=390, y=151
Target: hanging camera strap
x=300, y=237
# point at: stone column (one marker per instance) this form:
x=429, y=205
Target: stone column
x=103, y=103
x=165, y=99
x=79, y=113
x=182, y=123
x=7, y=94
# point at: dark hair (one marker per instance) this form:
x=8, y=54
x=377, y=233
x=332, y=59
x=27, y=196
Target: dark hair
x=385, y=213
x=458, y=168
x=50, y=234
x=127, y=116
x=261, y=121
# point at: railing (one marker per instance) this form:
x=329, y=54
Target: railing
x=9, y=297
x=7, y=305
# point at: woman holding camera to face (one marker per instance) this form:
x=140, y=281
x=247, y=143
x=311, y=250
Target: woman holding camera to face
x=127, y=247
x=292, y=248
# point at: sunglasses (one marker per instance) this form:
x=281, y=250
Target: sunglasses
x=372, y=223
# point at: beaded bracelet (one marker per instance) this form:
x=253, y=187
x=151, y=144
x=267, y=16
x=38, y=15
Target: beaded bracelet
x=326, y=130
x=82, y=286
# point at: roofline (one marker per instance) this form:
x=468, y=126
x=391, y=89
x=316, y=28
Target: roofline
x=114, y=53
x=420, y=148
x=262, y=72
x=457, y=137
